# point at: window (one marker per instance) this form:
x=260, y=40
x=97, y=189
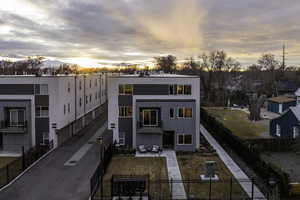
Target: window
x=90, y=83
x=69, y=107
x=295, y=132
x=187, y=89
x=172, y=114
x=43, y=89
x=184, y=139
x=16, y=117
x=125, y=89
x=180, y=89
x=171, y=89
x=278, y=130
x=42, y=111
x=121, y=138
x=188, y=112
x=86, y=99
x=90, y=98
x=69, y=87
x=80, y=102
x=125, y=111
x=180, y=113
x=79, y=84
x=64, y=109
x=45, y=139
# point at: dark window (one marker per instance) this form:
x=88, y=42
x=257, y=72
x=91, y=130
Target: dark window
x=171, y=89
x=180, y=113
x=172, y=113
x=184, y=139
x=125, y=111
x=69, y=107
x=42, y=111
x=125, y=89
x=187, y=89
x=80, y=102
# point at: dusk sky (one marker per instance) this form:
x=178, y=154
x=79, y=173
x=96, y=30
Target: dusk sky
x=94, y=32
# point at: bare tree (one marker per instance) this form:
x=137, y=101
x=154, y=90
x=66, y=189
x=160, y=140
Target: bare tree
x=255, y=105
x=166, y=63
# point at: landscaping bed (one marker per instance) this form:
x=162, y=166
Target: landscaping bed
x=6, y=160
x=192, y=166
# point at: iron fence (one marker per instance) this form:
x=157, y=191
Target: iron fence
x=17, y=166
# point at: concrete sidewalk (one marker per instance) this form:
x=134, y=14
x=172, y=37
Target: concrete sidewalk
x=178, y=191
x=232, y=166
x=50, y=179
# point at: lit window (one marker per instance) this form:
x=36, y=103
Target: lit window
x=125, y=89
x=184, y=139
x=188, y=112
x=125, y=111
x=180, y=89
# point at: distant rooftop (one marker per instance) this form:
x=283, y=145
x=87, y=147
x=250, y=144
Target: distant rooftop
x=296, y=111
x=281, y=99
x=44, y=75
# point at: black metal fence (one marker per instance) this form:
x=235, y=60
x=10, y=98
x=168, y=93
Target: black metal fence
x=250, y=153
x=229, y=189
x=96, y=181
x=17, y=166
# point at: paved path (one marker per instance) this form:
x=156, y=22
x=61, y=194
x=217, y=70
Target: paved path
x=178, y=191
x=232, y=166
x=50, y=179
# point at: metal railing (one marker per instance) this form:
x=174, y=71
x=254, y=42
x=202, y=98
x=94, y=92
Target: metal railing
x=10, y=124
x=140, y=124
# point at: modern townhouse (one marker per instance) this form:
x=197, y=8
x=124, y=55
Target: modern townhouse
x=157, y=109
x=37, y=110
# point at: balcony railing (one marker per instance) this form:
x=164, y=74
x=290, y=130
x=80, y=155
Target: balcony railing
x=13, y=126
x=139, y=124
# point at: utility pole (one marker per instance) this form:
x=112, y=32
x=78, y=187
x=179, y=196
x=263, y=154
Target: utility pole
x=283, y=57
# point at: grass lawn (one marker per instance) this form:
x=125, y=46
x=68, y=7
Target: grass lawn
x=129, y=165
x=5, y=160
x=237, y=121
x=192, y=166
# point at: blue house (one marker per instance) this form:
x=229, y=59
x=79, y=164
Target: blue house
x=287, y=125
x=280, y=104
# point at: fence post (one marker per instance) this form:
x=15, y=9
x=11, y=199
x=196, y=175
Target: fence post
x=7, y=174
x=252, y=189
x=23, y=158
x=230, y=194
x=171, y=194
x=209, y=195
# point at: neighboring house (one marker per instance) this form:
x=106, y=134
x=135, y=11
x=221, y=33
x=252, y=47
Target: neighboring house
x=280, y=104
x=37, y=110
x=287, y=125
x=286, y=87
x=158, y=109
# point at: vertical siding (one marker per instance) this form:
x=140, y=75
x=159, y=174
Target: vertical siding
x=287, y=121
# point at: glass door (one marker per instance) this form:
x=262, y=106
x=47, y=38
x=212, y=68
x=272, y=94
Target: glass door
x=150, y=117
x=17, y=117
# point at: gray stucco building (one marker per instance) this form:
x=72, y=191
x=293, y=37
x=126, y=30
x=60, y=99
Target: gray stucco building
x=159, y=109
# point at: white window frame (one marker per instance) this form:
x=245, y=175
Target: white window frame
x=40, y=115
x=278, y=130
x=156, y=122
x=45, y=138
x=295, y=132
x=17, y=122
x=183, y=134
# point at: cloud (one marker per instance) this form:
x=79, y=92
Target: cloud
x=135, y=30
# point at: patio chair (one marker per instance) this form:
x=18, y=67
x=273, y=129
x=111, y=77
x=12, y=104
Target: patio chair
x=142, y=149
x=155, y=149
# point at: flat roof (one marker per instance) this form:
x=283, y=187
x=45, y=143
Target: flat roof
x=154, y=76
x=47, y=75
x=281, y=99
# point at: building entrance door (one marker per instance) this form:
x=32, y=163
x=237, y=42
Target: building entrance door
x=168, y=139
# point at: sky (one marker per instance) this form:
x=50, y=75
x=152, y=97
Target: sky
x=106, y=32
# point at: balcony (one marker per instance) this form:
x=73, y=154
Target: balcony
x=149, y=129
x=13, y=127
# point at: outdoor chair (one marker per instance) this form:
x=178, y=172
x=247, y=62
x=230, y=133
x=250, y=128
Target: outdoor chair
x=155, y=149
x=142, y=149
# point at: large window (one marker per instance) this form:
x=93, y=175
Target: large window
x=183, y=112
x=125, y=89
x=17, y=117
x=184, y=139
x=42, y=111
x=295, y=132
x=150, y=117
x=125, y=111
x=180, y=89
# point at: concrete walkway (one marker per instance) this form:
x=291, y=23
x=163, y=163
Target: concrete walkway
x=178, y=191
x=232, y=166
x=51, y=179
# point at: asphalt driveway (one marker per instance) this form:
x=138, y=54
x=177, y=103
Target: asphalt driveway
x=51, y=179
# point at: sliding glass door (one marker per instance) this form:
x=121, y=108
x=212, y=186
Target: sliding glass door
x=150, y=117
